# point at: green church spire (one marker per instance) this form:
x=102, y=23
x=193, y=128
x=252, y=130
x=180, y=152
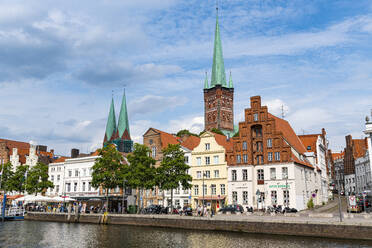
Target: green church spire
x=111, y=124
x=206, y=84
x=230, y=81
x=123, y=124
x=218, y=68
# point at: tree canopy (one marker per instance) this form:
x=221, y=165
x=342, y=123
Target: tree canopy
x=18, y=181
x=213, y=130
x=37, y=179
x=7, y=174
x=109, y=170
x=173, y=171
x=185, y=132
x=141, y=172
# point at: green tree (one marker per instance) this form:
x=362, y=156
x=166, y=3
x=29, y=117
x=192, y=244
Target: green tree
x=109, y=170
x=5, y=178
x=141, y=171
x=18, y=181
x=185, y=132
x=310, y=203
x=172, y=171
x=37, y=180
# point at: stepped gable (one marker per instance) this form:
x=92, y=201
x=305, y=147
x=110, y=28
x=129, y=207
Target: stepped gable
x=288, y=134
x=191, y=142
x=23, y=148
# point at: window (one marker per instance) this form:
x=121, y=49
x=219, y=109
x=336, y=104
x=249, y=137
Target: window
x=245, y=197
x=286, y=197
x=186, y=159
x=308, y=148
x=270, y=156
x=259, y=159
x=244, y=145
x=83, y=186
x=207, y=160
x=260, y=174
x=150, y=141
x=153, y=152
x=84, y=172
x=196, y=189
x=223, y=189
x=75, y=187
x=216, y=173
x=238, y=159
x=198, y=174
x=245, y=175
x=177, y=202
x=272, y=173
x=52, y=178
x=198, y=160
x=70, y=173
x=235, y=197
x=58, y=177
x=185, y=191
x=255, y=117
x=177, y=191
x=245, y=158
x=285, y=173
x=57, y=188
x=207, y=174
x=233, y=175
x=68, y=186
x=207, y=146
x=205, y=189
x=277, y=156
x=259, y=146
x=215, y=158
x=89, y=186
x=274, y=198
x=213, y=189
x=269, y=143
x=185, y=202
x=76, y=173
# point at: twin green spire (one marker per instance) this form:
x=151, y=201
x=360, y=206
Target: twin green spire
x=116, y=134
x=218, y=68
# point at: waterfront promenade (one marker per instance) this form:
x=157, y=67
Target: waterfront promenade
x=312, y=225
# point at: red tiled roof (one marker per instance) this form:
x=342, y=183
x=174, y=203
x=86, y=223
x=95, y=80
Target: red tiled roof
x=191, y=142
x=222, y=141
x=167, y=138
x=288, y=134
x=60, y=159
x=23, y=148
x=338, y=155
x=298, y=161
x=309, y=140
x=360, y=147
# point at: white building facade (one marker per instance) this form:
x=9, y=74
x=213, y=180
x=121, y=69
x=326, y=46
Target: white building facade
x=363, y=174
x=260, y=186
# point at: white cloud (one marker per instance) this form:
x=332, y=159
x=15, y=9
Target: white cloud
x=194, y=124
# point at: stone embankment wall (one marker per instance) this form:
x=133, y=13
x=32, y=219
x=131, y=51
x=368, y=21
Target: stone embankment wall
x=279, y=227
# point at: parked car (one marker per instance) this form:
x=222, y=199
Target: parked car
x=289, y=210
x=233, y=208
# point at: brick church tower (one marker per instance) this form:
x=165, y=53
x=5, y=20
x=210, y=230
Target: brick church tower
x=219, y=96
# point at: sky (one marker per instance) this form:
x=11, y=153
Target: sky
x=61, y=62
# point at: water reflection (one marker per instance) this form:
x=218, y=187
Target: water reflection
x=50, y=234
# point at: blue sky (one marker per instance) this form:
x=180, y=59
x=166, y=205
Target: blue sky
x=60, y=61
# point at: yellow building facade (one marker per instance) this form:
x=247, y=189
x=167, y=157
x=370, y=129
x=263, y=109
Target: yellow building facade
x=209, y=171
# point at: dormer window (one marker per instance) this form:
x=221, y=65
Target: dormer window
x=308, y=148
x=207, y=146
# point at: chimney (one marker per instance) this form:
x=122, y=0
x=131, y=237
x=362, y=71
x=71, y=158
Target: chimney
x=74, y=153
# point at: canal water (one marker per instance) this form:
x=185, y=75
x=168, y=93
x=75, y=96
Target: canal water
x=50, y=234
